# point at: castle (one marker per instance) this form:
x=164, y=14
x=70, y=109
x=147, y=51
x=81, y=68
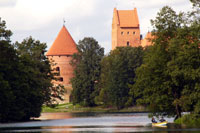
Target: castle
x=125, y=32
x=126, y=29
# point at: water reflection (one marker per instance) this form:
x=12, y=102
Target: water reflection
x=54, y=116
x=92, y=122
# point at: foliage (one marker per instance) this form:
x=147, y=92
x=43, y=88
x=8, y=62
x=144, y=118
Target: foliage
x=8, y=74
x=192, y=120
x=4, y=33
x=118, y=71
x=25, y=78
x=38, y=67
x=87, y=71
x=168, y=80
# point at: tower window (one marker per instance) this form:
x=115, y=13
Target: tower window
x=127, y=43
x=128, y=33
x=61, y=79
x=140, y=37
x=133, y=32
x=57, y=68
x=122, y=33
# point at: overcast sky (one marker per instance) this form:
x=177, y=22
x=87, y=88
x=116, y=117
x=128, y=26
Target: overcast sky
x=43, y=19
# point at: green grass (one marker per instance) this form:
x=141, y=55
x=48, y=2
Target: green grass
x=68, y=107
x=57, y=108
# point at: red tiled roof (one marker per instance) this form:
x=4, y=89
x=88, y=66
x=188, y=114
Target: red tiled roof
x=63, y=44
x=128, y=18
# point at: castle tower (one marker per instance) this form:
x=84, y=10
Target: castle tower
x=125, y=28
x=60, y=53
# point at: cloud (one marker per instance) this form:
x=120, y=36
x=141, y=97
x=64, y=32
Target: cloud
x=33, y=14
x=7, y=3
x=43, y=19
x=148, y=3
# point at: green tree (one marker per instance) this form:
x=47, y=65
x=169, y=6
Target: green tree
x=25, y=78
x=168, y=80
x=40, y=75
x=118, y=71
x=87, y=71
x=8, y=63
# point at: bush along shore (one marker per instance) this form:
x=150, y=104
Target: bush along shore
x=68, y=107
x=191, y=120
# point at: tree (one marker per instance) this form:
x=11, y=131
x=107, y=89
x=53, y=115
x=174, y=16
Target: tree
x=4, y=33
x=118, y=71
x=38, y=67
x=168, y=80
x=25, y=78
x=87, y=71
x=7, y=66
x=8, y=63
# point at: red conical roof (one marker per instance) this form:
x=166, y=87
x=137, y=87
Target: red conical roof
x=63, y=45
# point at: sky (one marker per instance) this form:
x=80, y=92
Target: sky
x=43, y=19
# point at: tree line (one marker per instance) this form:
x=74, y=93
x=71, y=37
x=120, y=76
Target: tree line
x=164, y=77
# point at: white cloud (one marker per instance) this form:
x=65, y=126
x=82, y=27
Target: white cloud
x=34, y=14
x=148, y=3
x=44, y=18
x=7, y=3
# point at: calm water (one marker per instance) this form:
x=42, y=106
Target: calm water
x=93, y=122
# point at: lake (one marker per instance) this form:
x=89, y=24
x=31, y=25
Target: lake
x=93, y=122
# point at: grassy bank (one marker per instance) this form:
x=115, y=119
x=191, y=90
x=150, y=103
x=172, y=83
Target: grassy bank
x=68, y=107
x=192, y=120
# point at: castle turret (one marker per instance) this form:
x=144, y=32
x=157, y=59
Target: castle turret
x=60, y=54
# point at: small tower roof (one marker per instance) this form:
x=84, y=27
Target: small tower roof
x=63, y=44
x=147, y=40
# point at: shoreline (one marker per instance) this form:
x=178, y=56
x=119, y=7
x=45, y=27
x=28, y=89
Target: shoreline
x=68, y=107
